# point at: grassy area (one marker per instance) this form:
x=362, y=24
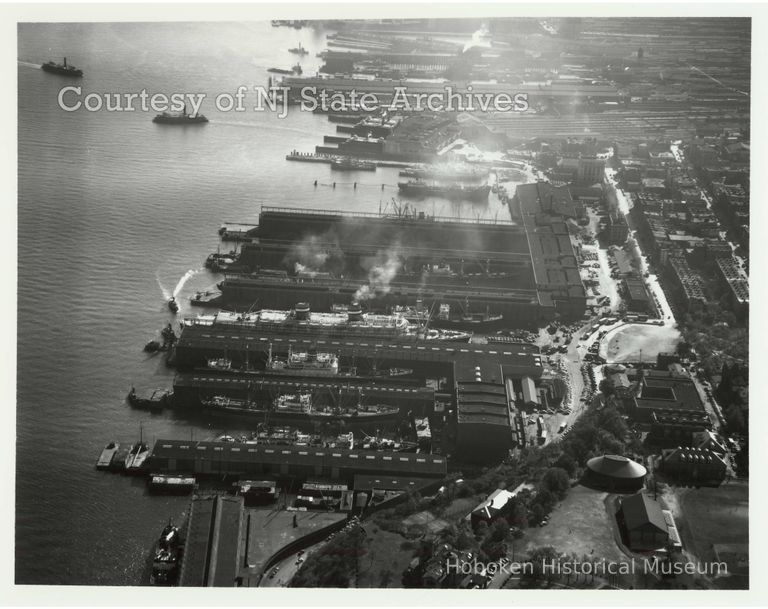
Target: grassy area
x=580, y=525
x=707, y=517
x=386, y=556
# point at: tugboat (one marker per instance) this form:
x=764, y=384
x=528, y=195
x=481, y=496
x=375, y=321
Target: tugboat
x=179, y=118
x=297, y=69
x=62, y=69
x=173, y=305
x=165, y=560
x=299, y=50
x=159, y=399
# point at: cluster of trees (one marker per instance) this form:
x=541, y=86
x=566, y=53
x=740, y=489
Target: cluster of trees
x=551, y=470
x=335, y=565
x=717, y=336
x=732, y=394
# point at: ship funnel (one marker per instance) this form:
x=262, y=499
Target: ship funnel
x=302, y=311
x=355, y=312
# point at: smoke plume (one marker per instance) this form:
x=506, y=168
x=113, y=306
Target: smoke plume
x=382, y=270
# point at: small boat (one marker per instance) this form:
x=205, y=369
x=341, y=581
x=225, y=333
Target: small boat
x=220, y=363
x=173, y=305
x=279, y=71
x=179, y=118
x=297, y=69
x=152, y=346
x=348, y=164
x=174, y=485
x=138, y=453
x=62, y=69
x=454, y=335
x=107, y=456
x=305, y=363
x=299, y=50
x=165, y=559
x=158, y=399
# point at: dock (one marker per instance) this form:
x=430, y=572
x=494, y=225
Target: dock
x=311, y=157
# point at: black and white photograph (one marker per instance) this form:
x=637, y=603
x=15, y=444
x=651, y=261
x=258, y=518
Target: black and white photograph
x=417, y=297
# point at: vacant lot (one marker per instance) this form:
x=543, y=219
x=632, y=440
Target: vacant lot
x=711, y=517
x=626, y=343
x=579, y=525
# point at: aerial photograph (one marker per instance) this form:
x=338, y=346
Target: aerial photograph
x=415, y=303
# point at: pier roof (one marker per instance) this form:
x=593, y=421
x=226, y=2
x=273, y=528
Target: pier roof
x=361, y=460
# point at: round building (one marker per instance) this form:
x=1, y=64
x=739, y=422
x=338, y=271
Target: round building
x=614, y=473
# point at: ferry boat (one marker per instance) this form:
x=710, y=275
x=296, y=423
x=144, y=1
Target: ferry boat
x=62, y=69
x=304, y=363
x=165, y=559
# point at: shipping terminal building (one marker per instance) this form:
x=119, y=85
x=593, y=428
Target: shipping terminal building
x=524, y=270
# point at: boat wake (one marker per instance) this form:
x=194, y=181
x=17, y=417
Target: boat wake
x=187, y=276
x=166, y=293
x=28, y=64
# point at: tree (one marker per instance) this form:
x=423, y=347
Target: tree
x=567, y=462
x=683, y=348
x=606, y=387
x=538, y=558
x=556, y=480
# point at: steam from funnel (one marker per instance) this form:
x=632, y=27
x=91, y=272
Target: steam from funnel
x=309, y=254
x=380, y=275
x=479, y=39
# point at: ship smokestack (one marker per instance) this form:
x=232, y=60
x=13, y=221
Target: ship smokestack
x=355, y=312
x=302, y=311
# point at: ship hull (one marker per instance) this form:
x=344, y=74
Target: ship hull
x=177, y=120
x=276, y=416
x=454, y=194
x=61, y=70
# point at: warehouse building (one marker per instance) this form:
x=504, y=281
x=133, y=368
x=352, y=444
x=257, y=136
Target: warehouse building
x=642, y=523
x=695, y=466
x=284, y=462
x=212, y=542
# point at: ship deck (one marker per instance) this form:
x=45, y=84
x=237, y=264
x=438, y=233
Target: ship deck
x=211, y=341
x=380, y=388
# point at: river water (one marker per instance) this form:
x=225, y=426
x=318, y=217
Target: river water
x=115, y=214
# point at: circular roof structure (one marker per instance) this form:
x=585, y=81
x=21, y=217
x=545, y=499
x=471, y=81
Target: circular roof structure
x=616, y=466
